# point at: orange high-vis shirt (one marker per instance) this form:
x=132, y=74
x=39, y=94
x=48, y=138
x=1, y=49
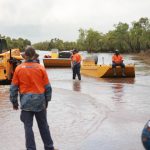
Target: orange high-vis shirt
x=30, y=78
x=117, y=58
x=76, y=57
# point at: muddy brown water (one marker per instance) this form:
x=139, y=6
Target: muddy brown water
x=92, y=114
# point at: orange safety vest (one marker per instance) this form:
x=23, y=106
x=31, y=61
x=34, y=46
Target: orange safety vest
x=117, y=58
x=30, y=78
x=76, y=58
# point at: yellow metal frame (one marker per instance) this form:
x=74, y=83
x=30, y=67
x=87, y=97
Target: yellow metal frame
x=58, y=62
x=5, y=66
x=89, y=68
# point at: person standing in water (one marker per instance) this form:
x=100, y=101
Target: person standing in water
x=31, y=81
x=76, y=64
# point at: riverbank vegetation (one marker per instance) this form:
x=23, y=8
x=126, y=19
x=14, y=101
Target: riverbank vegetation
x=144, y=55
x=127, y=38
x=16, y=43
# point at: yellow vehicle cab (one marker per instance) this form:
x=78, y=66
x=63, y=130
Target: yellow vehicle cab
x=8, y=62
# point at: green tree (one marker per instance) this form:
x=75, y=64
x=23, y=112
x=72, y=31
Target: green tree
x=140, y=34
x=69, y=45
x=56, y=43
x=93, y=40
x=81, y=41
x=121, y=36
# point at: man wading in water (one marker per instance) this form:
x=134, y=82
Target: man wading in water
x=31, y=81
x=76, y=64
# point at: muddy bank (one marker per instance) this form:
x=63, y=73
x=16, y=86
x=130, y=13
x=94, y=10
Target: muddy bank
x=144, y=56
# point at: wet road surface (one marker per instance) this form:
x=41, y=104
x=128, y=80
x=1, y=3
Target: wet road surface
x=92, y=114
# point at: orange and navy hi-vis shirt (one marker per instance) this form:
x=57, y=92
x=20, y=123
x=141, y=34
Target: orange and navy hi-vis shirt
x=117, y=58
x=31, y=81
x=31, y=78
x=76, y=58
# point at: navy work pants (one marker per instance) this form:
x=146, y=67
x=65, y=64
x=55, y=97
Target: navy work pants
x=146, y=136
x=41, y=118
x=121, y=64
x=76, y=71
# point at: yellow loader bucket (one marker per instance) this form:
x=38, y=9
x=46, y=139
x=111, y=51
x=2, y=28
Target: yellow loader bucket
x=89, y=68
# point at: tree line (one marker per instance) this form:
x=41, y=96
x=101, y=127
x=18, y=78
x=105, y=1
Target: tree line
x=15, y=43
x=127, y=38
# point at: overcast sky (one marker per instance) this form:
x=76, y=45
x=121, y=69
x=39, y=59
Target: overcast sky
x=41, y=20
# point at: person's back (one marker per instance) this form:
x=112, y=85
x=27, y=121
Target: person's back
x=31, y=78
x=77, y=58
x=31, y=81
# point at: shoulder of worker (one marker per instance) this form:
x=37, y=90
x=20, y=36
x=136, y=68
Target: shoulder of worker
x=25, y=64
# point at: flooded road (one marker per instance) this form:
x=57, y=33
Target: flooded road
x=91, y=114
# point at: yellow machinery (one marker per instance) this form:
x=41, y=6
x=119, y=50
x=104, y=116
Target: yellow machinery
x=57, y=62
x=8, y=62
x=54, y=53
x=57, y=59
x=89, y=68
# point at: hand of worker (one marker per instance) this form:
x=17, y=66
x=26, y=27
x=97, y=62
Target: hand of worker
x=15, y=106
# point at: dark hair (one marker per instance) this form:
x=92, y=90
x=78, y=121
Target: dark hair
x=30, y=52
x=36, y=56
x=75, y=51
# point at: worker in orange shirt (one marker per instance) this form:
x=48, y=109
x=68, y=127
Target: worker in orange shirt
x=117, y=60
x=30, y=80
x=76, y=64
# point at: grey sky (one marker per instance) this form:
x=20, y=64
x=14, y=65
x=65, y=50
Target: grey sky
x=40, y=20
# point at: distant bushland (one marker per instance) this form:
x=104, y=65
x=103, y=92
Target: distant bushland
x=16, y=43
x=127, y=38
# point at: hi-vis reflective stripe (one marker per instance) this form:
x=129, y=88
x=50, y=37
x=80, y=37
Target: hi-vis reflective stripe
x=29, y=67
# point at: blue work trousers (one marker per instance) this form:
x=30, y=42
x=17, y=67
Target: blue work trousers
x=76, y=71
x=41, y=118
x=121, y=64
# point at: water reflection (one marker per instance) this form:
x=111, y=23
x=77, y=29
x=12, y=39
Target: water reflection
x=118, y=89
x=117, y=80
x=76, y=86
x=4, y=94
x=95, y=107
